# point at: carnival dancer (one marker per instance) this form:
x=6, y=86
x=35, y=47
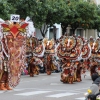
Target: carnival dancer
x=69, y=50
x=33, y=63
x=35, y=60
x=67, y=74
x=93, y=67
x=78, y=72
x=94, y=58
x=75, y=70
x=31, y=43
x=49, y=53
x=14, y=35
x=31, y=67
x=48, y=64
x=4, y=82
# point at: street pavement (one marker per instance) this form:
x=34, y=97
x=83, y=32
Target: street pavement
x=47, y=87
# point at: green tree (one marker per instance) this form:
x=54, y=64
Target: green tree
x=55, y=14
x=5, y=9
x=87, y=13
x=70, y=16
x=97, y=20
x=80, y=14
x=44, y=13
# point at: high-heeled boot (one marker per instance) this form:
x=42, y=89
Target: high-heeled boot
x=8, y=87
x=2, y=86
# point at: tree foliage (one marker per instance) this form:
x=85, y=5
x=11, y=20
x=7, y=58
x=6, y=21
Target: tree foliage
x=45, y=13
x=97, y=19
x=80, y=14
x=5, y=9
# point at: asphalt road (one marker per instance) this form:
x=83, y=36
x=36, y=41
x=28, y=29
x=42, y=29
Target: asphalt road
x=47, y=87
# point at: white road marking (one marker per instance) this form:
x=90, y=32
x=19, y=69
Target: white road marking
x=53, y=77
x=35, y=80
x=28, y=81
x=2, y=91
x=39, y=89
x=81, y=88
x=82, y=98
x=62, y=95
x=18, y=89
x=44, y=79
x=56, y=84
x=32, y=93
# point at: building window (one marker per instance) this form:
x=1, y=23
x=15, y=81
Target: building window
x=79, y=32
x=71, y=32
x=51, y=33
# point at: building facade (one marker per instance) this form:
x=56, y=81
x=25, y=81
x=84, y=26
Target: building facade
x=97, y=2
x=50, y=32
